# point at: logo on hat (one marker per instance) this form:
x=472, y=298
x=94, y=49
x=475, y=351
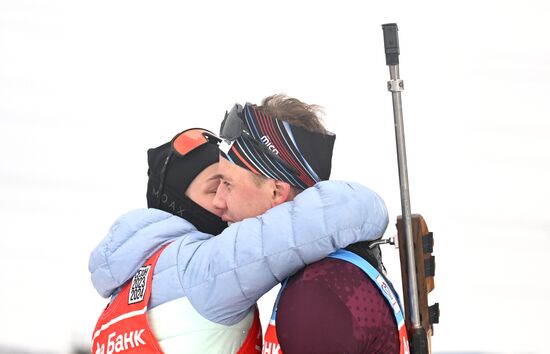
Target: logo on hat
x=168, y=204
x=269, y=145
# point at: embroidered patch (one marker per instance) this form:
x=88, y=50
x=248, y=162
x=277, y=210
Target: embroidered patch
x=139, y=285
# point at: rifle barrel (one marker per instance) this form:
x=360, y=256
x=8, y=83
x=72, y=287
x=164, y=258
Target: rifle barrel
x=395, y=85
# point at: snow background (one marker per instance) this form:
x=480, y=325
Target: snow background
x=87, y=87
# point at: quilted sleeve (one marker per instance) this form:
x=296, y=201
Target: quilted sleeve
x=224, y=276
x=133, y=238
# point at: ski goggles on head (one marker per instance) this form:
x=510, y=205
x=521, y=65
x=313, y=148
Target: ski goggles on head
x=233, y=127
x=182, y=144
x=190, y=139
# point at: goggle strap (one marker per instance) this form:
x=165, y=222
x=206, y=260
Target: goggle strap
x=162, y=179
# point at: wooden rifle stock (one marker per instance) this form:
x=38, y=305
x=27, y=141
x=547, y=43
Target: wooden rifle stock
x=423, y=241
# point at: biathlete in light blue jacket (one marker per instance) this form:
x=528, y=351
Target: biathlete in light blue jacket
x=205, y=287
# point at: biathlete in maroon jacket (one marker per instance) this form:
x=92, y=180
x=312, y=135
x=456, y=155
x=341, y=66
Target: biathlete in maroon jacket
x=340, y=304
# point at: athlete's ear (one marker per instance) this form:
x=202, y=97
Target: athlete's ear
x=281, y=193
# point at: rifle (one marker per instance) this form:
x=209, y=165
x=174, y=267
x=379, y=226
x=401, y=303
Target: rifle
x=414, y=239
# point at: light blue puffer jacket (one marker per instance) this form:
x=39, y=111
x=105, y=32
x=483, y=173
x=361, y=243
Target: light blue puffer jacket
x=223, y=276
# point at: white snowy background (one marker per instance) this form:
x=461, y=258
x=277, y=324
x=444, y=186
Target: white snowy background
x=87, y=86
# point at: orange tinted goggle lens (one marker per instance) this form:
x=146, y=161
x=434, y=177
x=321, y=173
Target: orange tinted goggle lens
x=189, y=140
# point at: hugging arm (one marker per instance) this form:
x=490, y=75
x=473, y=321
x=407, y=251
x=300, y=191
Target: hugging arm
x=225, y=275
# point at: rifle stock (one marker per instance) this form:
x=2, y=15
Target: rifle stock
x=423, y=242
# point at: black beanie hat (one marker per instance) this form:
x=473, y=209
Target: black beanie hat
x=180, y=171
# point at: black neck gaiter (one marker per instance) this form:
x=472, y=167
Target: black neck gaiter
x=184, y=207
